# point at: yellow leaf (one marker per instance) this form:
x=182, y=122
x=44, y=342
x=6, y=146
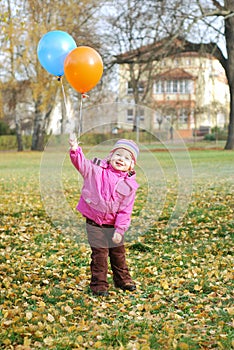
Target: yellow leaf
x=145, y=347
x=71, y=329
x=97, y=345
x=230, y=310
x=83, y=248
x=62, y=319
x=156, y=297
x=46, y=282
x=29, y=315
x=156, y=306
x=183, y=346
x=164, y=284
x=140, y=307
x=41, y=303
x=50, y=318
x=27, y=341
x=170, y=330
x=68, y=309
x=80, y=339
x=48, y=341
x=77, y=308
x=40, y=326
x=39, y=334
x=197, y=287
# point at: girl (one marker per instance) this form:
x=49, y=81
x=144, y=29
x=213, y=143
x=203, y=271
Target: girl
x=106, y=201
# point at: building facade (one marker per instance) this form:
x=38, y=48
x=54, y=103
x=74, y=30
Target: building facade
x=188, y=92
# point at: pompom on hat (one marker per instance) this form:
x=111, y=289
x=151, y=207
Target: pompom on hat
x=129, y=145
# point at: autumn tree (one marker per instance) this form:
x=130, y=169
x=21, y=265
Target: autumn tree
x=224, y=9
x=9, y=62
x=129, y=26
x=211, y=25
x=24, y=24
x=149, y=32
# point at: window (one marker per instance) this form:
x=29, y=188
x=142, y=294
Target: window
x=141, y=114
x=184, y=87
x=181, y=86
x=183, y=116
x=159, y=87
x=168, y=86
x=130, y=88
x=130, y=115
x=140, y=88
x=174, y=86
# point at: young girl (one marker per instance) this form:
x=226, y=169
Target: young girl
x=106, y=201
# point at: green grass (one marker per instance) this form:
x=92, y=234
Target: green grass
x=184, y=297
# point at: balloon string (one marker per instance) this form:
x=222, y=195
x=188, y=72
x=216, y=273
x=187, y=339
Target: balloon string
x=64, y=96
x=80, y=116
x=65, y=104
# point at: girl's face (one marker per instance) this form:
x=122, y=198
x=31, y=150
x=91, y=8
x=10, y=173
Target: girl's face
x=121, y=159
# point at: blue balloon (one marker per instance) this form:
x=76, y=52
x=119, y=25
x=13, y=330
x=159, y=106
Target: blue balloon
x=52, y=50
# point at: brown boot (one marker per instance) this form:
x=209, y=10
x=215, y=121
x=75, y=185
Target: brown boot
x=99, y=268
x=130, y=287
x=121, y=275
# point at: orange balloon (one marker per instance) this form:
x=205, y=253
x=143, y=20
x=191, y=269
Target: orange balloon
x=83, y=68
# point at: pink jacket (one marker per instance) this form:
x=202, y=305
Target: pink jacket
x=107, y=195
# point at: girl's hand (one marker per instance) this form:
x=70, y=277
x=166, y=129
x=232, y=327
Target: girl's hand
x=117, y=238
x=73, y=143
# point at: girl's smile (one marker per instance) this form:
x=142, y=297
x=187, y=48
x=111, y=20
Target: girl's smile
x=121, y=159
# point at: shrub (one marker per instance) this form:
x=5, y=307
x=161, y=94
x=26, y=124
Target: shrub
x=220, y=135
x=5, y=129
x=210, y=137
x=9, y=142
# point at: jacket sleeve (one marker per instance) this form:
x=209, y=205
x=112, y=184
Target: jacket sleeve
x=123, y=217
x=83, y=165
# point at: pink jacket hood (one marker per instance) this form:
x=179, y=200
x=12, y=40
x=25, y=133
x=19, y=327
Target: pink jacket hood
x=107, y=195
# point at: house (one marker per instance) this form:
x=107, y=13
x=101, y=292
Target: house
x=188, y=92
x=183, y=89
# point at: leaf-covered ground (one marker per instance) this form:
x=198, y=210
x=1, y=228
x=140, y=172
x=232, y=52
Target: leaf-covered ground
x=184, y=297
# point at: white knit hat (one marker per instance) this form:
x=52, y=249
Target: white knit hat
x=129, y=145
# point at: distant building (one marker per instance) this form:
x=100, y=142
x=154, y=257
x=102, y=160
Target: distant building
x=186, y=92
x=189, y=91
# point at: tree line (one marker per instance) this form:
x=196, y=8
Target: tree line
x=113, y=28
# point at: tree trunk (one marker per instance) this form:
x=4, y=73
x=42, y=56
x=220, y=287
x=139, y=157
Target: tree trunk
x=229, y=35
x=38, y=135
x=40, y=127
x=19, y=138
x=38, y=130
x=230, y=139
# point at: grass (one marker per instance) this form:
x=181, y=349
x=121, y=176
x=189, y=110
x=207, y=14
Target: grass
x=184, y=297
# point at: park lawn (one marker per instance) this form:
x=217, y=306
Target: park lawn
x=184, y=297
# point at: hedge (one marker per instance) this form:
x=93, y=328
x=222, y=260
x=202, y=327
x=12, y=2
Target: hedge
x=9, y=142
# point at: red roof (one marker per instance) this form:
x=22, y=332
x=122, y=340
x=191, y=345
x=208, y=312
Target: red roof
x=176, y=73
